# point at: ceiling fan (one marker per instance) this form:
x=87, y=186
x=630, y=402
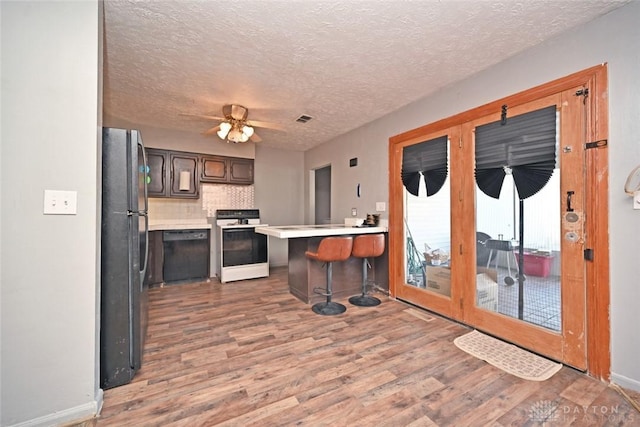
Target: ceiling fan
x=234, y=126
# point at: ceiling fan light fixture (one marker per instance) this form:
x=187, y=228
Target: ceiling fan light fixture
x=235, y=135
x=225, y=127
x=247, y=130
x=234, y=126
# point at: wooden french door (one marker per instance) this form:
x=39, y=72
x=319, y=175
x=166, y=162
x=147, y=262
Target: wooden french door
x=429, y=262
x=454, y=277
x=562, y=213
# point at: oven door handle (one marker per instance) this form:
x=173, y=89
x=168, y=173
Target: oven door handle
x=237, y=229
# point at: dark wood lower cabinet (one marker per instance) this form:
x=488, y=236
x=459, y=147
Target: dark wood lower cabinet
x=154, y=274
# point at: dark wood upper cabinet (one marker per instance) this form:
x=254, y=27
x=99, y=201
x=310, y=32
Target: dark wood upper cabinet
x=226, y=170
x=178, y=174
x=240, y=171
x=184, y=175
x=165, y=168
x=213, y=169
x=157, y=161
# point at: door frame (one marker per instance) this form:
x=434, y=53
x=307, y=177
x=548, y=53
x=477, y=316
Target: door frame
x=595, y=79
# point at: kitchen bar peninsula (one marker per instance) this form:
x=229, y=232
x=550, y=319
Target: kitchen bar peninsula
x=306, y=274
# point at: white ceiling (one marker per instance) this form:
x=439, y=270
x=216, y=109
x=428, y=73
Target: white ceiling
x=345, y=63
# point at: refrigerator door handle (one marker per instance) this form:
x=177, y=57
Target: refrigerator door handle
x=145, y=209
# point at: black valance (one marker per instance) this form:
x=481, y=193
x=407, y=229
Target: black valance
x=525, y=145
x=428, y=159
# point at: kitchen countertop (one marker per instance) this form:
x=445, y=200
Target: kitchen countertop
x=294, y=231
x=177, y=225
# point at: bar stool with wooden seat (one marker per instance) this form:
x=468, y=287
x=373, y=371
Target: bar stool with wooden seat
x=366, y=246
x=331, y=249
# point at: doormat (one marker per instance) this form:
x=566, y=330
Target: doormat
x=508, y=357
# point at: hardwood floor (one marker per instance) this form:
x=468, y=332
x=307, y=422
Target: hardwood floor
x=250, y=354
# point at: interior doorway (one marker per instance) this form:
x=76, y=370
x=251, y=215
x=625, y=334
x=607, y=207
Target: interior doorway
x=322, y=191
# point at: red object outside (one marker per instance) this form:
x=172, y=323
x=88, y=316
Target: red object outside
x=536, y=265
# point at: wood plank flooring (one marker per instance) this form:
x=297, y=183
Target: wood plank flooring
x=250, y=354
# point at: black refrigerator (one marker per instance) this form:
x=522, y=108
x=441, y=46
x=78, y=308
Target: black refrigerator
x=124, y=252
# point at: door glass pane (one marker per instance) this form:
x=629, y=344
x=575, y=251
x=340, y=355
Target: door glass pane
x=502, y=236
x=428, y=237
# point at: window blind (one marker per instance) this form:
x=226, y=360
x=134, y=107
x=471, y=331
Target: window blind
x=525, y=146
x=428, y=159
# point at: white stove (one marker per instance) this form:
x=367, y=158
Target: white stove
x=241, y=252
x=235, y=223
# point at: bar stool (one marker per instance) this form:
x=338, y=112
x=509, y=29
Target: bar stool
x=330, y=250
x=366, y=246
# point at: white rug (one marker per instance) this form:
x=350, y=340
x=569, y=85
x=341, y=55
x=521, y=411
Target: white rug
x=508, y=357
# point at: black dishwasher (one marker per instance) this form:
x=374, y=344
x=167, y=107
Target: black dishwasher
x=186, y=255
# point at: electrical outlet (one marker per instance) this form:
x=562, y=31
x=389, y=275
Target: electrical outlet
x=354, y=212
x=381, y=206
x=60, y=202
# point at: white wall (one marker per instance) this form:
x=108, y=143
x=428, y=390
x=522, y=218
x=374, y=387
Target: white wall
x=369, y=145
x=615, y=39
x=50, y=63
x=279, y=191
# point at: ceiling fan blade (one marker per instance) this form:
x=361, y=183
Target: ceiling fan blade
x=203, y=116
x=255, y=138
x=266, y=125
x=234, y=111
x=211, y=131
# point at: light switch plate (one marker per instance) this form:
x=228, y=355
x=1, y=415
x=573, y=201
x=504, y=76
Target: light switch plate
x=60, y=202
x=381, y=206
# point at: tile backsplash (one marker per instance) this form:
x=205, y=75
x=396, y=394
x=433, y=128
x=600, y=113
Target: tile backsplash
x=212, y=197
x=216, y=196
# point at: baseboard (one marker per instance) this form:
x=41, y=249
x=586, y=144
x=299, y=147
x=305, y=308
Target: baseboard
x=278, y=264
x=625, y=382
x=99, y=401
x=67, y=416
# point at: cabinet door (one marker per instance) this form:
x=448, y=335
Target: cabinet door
x=156, y=256
x=184, y=177
x=214, y=169
x=241, y=171
x=158, y=173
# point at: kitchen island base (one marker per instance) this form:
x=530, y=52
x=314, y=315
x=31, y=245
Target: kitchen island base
x=305, y=275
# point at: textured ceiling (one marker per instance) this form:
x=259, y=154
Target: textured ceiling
x=345, y=63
